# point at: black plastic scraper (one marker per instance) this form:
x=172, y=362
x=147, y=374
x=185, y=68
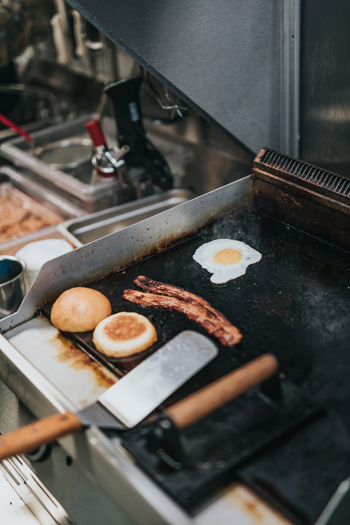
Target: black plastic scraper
x=204, y=438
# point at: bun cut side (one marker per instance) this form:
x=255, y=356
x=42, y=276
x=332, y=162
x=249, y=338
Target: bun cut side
x=79, y=309
x=124, y=334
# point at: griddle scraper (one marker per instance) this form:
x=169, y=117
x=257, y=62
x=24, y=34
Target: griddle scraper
x=127, y=402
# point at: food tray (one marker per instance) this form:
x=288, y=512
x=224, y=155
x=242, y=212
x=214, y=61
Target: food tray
x=27, y=207
x=22, y=215
x=96, y=225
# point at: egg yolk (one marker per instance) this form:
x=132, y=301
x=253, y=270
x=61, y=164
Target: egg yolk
x=228, y=256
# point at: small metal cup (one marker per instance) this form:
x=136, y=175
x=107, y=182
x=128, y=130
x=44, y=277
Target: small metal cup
x=12, y=284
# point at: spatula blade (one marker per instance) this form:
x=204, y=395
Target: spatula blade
x=143, y=389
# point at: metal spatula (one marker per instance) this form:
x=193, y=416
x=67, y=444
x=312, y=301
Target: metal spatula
x=127, y=402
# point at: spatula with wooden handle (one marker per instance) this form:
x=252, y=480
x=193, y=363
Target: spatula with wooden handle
x=127, y=402
x=217, y=394
x=161, y=436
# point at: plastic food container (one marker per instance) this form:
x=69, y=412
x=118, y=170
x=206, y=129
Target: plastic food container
x=35, y=254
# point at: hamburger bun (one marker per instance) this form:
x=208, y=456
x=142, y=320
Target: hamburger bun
x=79, y=310
x=124, y=334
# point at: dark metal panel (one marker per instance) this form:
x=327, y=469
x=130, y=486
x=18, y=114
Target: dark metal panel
x=325, y=81
x=223, y=58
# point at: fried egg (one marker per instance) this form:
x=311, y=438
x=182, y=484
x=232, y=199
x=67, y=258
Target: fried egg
x=226, y=259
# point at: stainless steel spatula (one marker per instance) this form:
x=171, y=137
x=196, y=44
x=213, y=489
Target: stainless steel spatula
x=127, y=402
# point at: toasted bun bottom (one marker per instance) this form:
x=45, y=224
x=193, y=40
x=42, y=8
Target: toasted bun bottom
x=79, y=310
x=124, y=334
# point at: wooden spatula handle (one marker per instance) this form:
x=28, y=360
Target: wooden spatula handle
x=217, y=394
x=38, y=433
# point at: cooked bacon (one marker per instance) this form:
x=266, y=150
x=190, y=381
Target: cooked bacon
x=149, y=285
x=225, y=332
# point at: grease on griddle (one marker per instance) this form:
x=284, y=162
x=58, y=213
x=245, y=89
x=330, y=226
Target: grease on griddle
x=252, y=507
x=68, y=352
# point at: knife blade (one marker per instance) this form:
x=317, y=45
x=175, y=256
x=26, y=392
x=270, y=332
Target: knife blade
x=126, y=403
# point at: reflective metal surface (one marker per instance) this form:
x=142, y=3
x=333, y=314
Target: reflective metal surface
x=40, y=193
x=103, y=256
x=157, y=377
x=201, y=158
x=222, y=59
x=338, y=509
x=91, y=197
x=325, y=80
x=66, y=154
x=96, y=225
x=36, y=497
x=12, y=284
x=112, y=486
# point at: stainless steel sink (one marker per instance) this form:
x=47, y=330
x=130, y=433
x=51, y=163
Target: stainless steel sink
x=76, y=184
x=96, y=225
x=90, y=197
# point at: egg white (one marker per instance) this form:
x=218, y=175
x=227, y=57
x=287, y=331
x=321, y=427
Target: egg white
x=205, y=256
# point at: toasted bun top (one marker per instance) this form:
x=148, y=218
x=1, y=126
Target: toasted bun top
x=124, y=334
x=79, y=309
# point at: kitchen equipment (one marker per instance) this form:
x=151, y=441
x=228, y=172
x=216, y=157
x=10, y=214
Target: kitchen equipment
x=105, y=161
x=96, y=225
x=17, y=129
x=188, y=469
x=67, y=155
x=131, y=399
x=72, y=182
x=22, y=215
x=12, y=284
x=337, y=510
x=22, y=24
x=47, y=207
x=193, y=165
x=72, y=178
x=294, y=303
x=209, y=78
x=144, y=161
x=109, y=163
x=47, y=202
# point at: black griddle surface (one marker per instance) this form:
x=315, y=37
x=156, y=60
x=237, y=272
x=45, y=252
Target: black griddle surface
x=294, y=303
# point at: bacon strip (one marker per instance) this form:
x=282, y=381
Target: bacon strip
x=149, y=285
x=225, y=332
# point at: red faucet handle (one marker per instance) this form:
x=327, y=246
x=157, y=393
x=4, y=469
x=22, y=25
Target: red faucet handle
x=96, y=134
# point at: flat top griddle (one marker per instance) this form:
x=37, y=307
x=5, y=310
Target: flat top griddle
x=295, y=304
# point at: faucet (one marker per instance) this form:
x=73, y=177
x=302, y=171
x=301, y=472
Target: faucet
x=143, y=160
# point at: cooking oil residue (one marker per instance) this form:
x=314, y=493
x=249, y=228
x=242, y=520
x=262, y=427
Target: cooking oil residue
x=69, y=353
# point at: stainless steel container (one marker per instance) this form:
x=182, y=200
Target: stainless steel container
x=12, y=284
x=72, y=184
x=91, y=227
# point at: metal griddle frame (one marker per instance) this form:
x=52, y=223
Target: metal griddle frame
x=310, y=198
x=300, y=194
x=296, y=192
